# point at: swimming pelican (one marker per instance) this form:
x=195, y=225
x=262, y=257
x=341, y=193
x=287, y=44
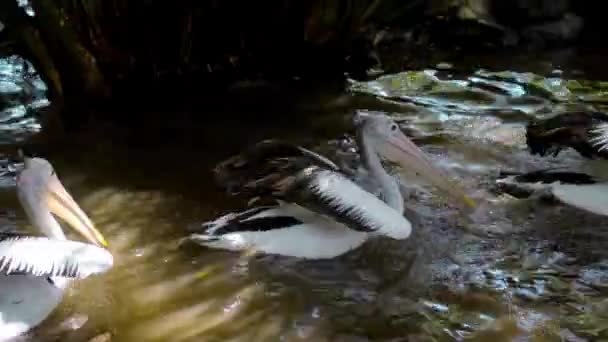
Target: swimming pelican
x=319, y=211
x=581, y=131
x=586, y=133
x=34, y=271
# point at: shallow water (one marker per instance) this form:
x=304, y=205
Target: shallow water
x=531, y=270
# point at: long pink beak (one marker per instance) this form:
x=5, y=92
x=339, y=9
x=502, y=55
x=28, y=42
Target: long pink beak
x=61, y=203
x=401, y=150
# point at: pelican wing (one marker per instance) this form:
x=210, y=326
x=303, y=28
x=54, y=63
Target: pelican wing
x=293, y=174
x=41, y=256
x=333, y=194
x=585, y=132
x=256, y=171
x=600, y=140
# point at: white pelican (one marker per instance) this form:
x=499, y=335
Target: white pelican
x=34, y=271
x=318, y=212
x=585, y=132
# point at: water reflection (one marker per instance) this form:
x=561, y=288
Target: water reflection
x=441, y=284
x=21, y=94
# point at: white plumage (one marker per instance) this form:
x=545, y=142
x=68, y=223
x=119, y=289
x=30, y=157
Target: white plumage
x=25, y=301
x=34, y=271
x=593, y=198
x=343, y=194
x=322, y=212
x=585, y=132
x=40, y=256
x=317, y=237
x=601, y=138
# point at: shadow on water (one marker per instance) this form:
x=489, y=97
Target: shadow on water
x=147, y=183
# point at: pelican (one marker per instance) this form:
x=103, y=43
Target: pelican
x=586, y=133
x=317, y=210
x=581, y=131
x=35, y=270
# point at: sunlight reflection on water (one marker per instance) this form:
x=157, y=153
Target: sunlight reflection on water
x=21, y=94
x=162, y=289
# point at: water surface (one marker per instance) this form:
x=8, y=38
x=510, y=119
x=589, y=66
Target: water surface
x=530, y=271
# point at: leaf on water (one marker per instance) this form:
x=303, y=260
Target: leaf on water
x=405, y=83
x=587, y=324
x=558, y=285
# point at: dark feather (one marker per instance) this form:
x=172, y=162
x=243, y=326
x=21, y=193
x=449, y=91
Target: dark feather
x=570, y=129
x=298, y=192
x=278, y=170
x=267, y=168
x=259, y=224
x=548, y=177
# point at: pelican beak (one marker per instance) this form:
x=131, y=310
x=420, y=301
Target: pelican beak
x=63, y=205
x=401, y=150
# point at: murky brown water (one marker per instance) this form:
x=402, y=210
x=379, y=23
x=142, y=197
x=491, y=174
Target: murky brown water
x=540, y=277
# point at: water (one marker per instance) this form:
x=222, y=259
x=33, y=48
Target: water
x=21, y=94
x=531, y=270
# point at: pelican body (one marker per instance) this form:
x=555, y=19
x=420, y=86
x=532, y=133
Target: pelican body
x=317, y=209
x=586, y=133
x=35, y=270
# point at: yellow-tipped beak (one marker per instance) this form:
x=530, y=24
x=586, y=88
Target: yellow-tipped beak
x=469, y=202
x=63, y=205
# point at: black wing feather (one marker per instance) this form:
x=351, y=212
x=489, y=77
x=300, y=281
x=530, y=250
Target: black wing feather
x=274, y=170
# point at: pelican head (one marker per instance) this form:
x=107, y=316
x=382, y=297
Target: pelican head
x=41, y=194
x=383, y=134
